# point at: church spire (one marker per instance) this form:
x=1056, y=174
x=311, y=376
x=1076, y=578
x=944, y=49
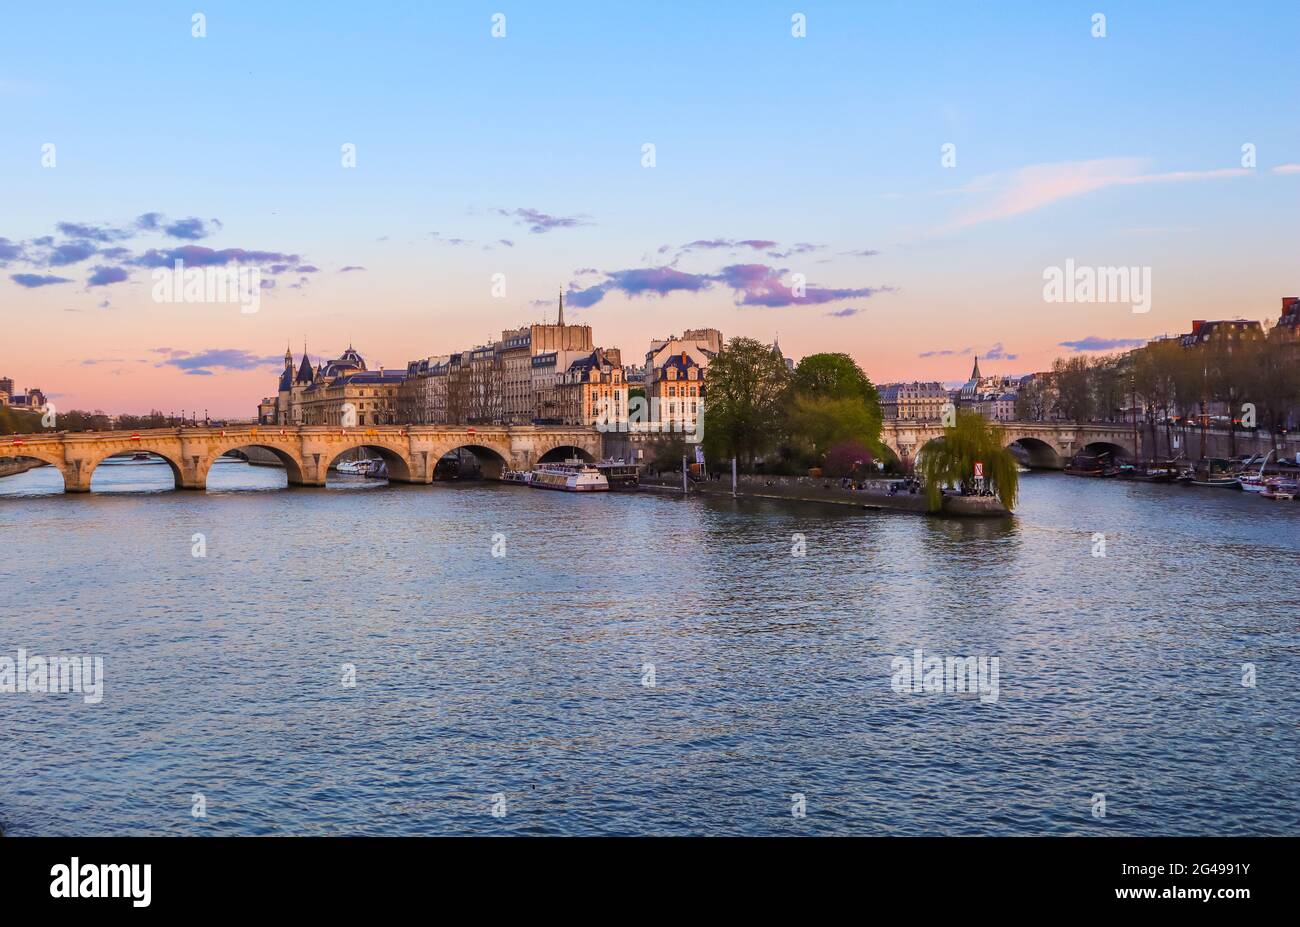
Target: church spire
x=561, y=320
x=975, y=374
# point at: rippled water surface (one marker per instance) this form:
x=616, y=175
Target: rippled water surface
x=523, y=675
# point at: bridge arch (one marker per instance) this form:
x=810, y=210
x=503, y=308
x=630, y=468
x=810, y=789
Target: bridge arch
x=37, y=453
x=1100, y=448
x=292, y=464
x=91, y=464
x=397, y=463
x=561, y=452
x=1036, y=453
x=492, y=461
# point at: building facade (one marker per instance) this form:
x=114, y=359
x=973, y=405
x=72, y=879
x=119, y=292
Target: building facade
x=915, y=401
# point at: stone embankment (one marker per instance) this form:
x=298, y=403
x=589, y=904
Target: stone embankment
x=11, y=466
x=875, y=494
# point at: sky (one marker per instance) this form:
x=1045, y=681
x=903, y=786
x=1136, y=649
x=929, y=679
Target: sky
x=494, y=171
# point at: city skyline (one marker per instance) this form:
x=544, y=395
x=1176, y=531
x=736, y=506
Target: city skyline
x=530, y=169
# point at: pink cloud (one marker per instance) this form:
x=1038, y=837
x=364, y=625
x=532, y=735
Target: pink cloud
x=1039, y=185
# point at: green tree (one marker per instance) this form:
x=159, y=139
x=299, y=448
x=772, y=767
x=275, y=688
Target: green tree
x=834, y=376
x=834, y=402
x=747, y=387
x=818, y=422
x=950, y=461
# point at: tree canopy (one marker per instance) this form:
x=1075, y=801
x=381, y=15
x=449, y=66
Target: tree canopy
x=744, y=410
x=950, y=461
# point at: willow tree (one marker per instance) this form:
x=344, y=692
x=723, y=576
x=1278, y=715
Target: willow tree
x=950, y=461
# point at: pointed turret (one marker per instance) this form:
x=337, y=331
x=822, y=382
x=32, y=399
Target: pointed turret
x=561, y=319
x=304, y=369
x=975, y=373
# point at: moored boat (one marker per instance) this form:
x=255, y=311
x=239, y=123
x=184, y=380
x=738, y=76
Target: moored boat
x=1211, y=473
x=569, y=477
x=619, y=474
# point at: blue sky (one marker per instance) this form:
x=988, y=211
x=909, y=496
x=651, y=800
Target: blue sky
x=1117, y=150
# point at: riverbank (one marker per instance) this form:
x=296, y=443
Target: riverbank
x=12, y=466
x=807, y=489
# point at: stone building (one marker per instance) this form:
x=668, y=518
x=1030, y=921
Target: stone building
x=340, y=392
x=676, y=390
x=915, y=401
x=593, y=390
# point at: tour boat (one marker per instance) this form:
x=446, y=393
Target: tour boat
x=569, y=478
x=517, y=476
x=371, y=467
x=620, y=475
x=141, y=455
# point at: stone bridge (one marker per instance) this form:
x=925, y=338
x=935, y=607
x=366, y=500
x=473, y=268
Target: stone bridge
x=1047, y=445
x=307, y=451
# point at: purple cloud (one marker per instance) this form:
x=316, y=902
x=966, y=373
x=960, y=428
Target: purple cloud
x=103, y=276
x=191, y=229
x=844, y=313
x=947, y=352
x=539, y=222
x=1096, y=343
x=350, y=268
x=200, y=364
x=31, y=281
x=761, y=285
x=997, y=353
x=100, y=233
x=70, y=253
x=10, y=251
x=200, y=256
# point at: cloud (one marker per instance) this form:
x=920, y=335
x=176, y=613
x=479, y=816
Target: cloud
x=861, y=252
x=1097, y=343
x=70, y=252
x=539, y=222
x=751, y=285
x=191, y=229
x=761, y=285
x=201, y=256
x=945, y=352
x=31, y=281
x=1039, y=185
x=844, y=313
x=200, y=364
x=103, y=276
x=10, y=251
x=708, y=244
x=100, y=233
x=1287, y=169
x=997, y=353
x=350, y=268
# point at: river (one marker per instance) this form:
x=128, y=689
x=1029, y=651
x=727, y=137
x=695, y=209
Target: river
x=642, y=664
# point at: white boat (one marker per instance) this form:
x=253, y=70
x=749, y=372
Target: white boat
x=1257, y=483
x=517, y=476
x=372, y=467
x=569, y=477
